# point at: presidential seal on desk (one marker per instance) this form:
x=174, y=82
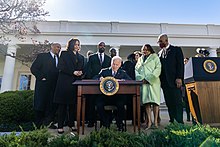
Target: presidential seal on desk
x=210, y=66
x=109, y=86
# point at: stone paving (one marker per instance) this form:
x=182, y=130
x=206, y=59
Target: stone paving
x=164, y=122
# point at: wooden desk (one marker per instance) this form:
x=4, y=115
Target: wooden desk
x=92, y=87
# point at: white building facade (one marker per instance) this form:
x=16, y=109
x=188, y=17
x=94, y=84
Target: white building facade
x=125, y=37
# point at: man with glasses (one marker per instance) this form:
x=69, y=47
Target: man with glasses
x=171, y=77
x=44, y=68
x=96, y=62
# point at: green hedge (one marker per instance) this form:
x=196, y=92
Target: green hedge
x=36, y=138
x=16, y=108
x=172, y=136
x=183, y=135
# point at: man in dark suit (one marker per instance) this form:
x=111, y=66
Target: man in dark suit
x=116, y=72
x=44, y=68
x=96, y=62
x=171, y=77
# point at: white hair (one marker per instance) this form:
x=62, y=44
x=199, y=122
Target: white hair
x=116, y=58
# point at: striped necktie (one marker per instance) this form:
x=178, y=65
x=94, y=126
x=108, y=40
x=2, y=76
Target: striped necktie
x=114, y=73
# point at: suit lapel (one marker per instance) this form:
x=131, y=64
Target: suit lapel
x=97, y=56
x=50, y=58
x=73, y=58
x=169, y=49
x=104, y=61
x=117, y=75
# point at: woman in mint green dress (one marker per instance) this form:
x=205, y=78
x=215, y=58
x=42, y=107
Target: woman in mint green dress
x=147, y=70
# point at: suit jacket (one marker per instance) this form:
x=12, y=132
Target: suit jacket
x=129, y=67
x=172, y=66
x=44, y=67
x=94, y=66
x=65, y=91
x=121, y=74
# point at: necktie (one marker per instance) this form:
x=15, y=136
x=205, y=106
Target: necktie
x=100, y=58
x=114, y=73
x=54, y=60
x=164, y=53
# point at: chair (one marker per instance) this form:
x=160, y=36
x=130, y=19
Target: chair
x=113, y=108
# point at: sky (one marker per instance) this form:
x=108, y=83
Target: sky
x=136, y=11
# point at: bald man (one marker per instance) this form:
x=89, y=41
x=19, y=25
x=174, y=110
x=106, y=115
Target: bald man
x=45, y=70
x=171, y=77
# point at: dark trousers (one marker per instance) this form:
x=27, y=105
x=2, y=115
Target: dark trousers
x=50, y=114
x=66, y=110
x=50, y=108
x=45, y=117
x=118, y=100
x=38, y=118
x=173, y=99
x=90, y=108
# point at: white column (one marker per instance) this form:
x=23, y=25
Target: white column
x=212, y=51
x=8, y=74
x=117, y=48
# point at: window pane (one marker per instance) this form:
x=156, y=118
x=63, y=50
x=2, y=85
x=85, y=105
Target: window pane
x=24, y=83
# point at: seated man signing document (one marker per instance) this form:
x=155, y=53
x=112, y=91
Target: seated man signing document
x=119, y=101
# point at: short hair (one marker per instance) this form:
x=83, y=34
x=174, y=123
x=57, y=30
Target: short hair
x=54, y=44
x=111, y=49
x=163, y=35
x=116, y=58
x=71, y=43
x=149, y=48
x=101, y=42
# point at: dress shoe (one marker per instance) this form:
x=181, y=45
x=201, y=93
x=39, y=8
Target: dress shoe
x=73, y=129
x=120, y=128
x=60, y=131
x=52, y=126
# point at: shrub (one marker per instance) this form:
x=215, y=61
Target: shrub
x=172, y=135
x=16, y=109
x=184, y=135
x=36, y=138
x=108, y=138
x=64, y=141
